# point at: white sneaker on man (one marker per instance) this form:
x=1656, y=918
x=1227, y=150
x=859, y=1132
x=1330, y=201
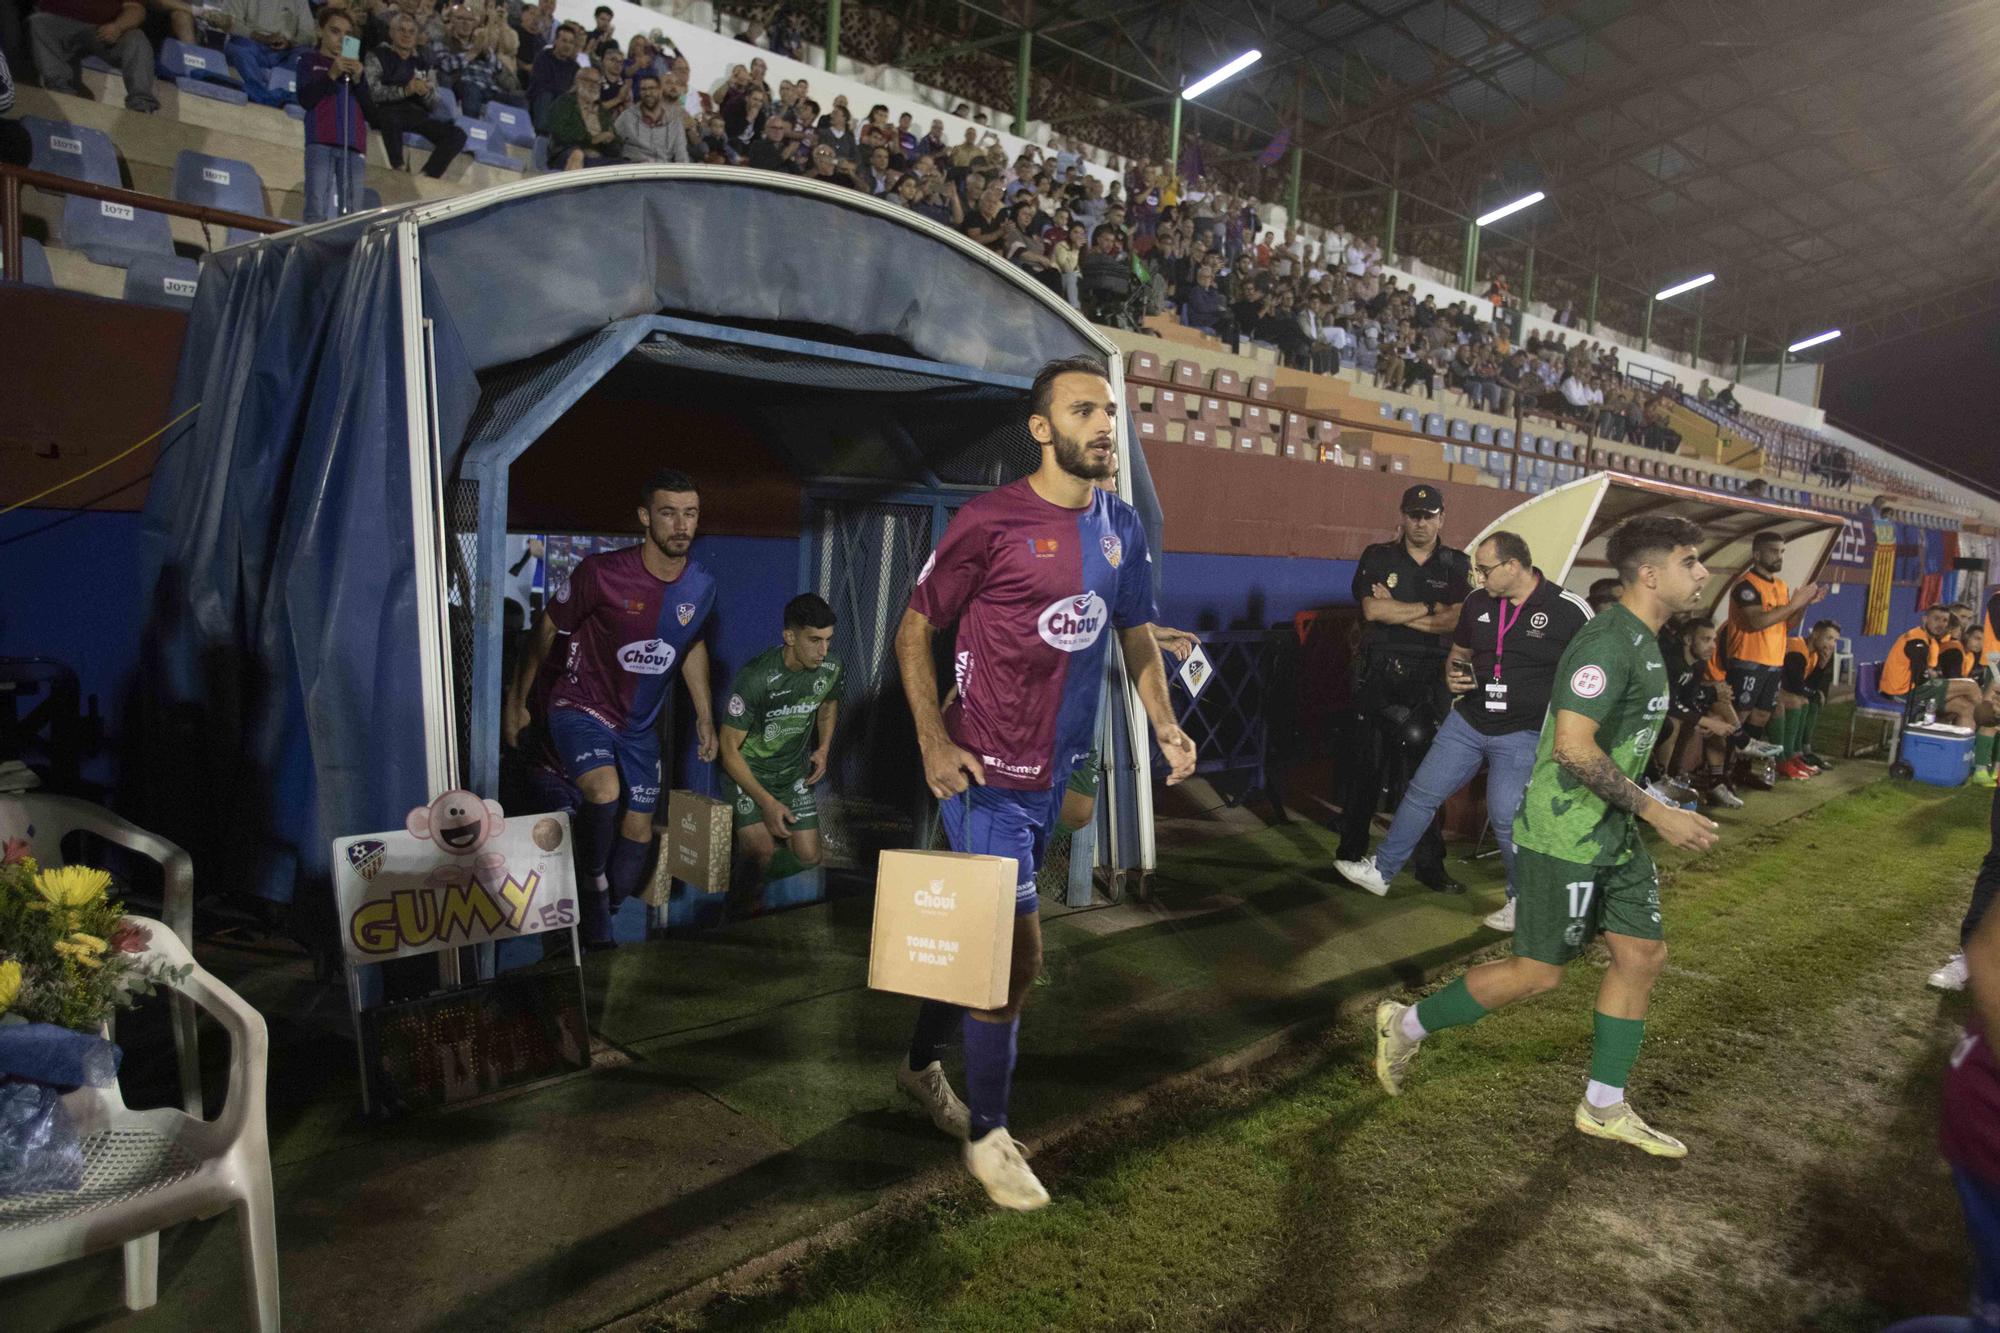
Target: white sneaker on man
x=1721, y=794
x=1502, y=919
x=1763, y=750
x=1362, y=874
x=930, y=1089
x=1952, y=976
x=996, y=1162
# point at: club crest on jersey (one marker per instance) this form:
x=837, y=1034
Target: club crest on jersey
x=647, y=657
x=1043, y=547
x=366, y=856
x=1114, y=550
x=684, y=612
x=1073, y=624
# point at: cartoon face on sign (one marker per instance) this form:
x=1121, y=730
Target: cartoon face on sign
x=458, y=822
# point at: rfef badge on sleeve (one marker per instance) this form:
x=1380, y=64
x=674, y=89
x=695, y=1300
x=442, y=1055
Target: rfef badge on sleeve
x=1196, y=672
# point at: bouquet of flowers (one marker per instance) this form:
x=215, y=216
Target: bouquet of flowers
x=67, y=959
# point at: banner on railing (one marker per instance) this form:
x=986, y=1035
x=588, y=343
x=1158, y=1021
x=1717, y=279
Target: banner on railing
x=1881, y=578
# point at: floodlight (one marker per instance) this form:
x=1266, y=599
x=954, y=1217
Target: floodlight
x=1228, y=71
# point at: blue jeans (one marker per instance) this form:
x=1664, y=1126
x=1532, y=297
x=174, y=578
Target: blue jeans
x=253, y=63
x=333, y=181
x=1453, y=760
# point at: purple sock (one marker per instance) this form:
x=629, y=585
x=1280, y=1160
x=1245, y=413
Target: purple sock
x=936, y=1021
x=989, y=1071
x=626, y=867
x=594, y=826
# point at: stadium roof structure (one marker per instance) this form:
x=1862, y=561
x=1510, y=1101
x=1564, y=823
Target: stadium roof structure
x=1835, y=164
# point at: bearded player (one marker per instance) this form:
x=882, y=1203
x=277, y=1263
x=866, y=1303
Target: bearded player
x=626, y=620
x=1580, y=867
x=1033, y=573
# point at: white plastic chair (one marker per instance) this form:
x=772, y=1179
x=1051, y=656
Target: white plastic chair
x=47, y=821
x=146, y=1170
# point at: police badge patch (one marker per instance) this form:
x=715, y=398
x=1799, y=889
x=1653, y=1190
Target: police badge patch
x=1114, y=550
x=685, y=611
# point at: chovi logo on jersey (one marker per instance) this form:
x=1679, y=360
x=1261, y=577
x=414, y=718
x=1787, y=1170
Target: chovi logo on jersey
x=647, y=657
x=1074, y=623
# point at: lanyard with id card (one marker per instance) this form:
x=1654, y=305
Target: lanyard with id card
x=1496, y=689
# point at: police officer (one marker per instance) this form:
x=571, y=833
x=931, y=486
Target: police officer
x=1409, y=591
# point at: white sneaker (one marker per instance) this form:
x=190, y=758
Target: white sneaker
x=1951, y=976
x=1720, y=794
x=1763, y=750
x=1502, y=919
x=996, y=1162
x=930, y=1089
x=1362, y=874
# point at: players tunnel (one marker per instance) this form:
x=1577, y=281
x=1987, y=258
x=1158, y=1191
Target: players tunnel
x=388, y=397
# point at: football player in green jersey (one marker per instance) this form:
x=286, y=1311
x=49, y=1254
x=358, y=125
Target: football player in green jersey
x=1580, y=868
x=769, y=749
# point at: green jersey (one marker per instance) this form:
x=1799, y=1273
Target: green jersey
x=777, y=708
x=1613, y=674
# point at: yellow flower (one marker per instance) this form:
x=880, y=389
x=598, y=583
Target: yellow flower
x=10, y=983
x=72, y=886
x=82, y=949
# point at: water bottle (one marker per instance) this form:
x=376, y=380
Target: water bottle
x=1930, y=711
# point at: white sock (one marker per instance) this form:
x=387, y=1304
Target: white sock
x=1601, y=1095
x=1413, y=1027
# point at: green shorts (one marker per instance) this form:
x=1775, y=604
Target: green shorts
x=788, y=787
x=1083, y=778
x=1560, y=905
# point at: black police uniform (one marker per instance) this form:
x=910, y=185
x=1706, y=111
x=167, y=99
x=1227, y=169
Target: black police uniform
x=1400, y=695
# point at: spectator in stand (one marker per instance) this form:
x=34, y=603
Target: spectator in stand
x=403, y=100
x=987, y=221
x=1659, y=434
x=1021, y=243
x=1208, y=310
x=1725, y=402
x=1566, y=316
x=934, y=142
x=16, y=148
x=643, y=58
x=468, y=63
x=1104, y=276
x=64, y=32
x=744, y=119
x=617, y=94
x=777, y=149
x=836, y=131
x=1582, y=399
x=714, y=146
x=333, y=92
x=877, y=176
x=531, y=33
x=264, y=35
x=651, y=130
x=826, y=167
x=936, y=199
x=555, y=70
x=1067, y=257
x=581, y=133
x=1706, y=392
x=603, y=37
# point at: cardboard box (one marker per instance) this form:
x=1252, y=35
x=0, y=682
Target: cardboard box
x=699, y=838
x=944, y=927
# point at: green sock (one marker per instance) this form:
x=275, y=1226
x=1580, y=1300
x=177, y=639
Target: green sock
x=1794, y=729
x=1452, y=1007
x=1615, y=1048
x=1809, y=728
x=1982, y=750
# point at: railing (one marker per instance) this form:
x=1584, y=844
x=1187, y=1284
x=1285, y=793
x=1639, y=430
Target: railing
x=12, y=179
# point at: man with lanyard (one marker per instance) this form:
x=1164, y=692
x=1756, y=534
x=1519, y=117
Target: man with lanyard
x=1409, y=591
x=1511, y=633
x=769, y=750
x=1034, y=573
x=626, y=619
x=1580, y=866
x=1753, y=640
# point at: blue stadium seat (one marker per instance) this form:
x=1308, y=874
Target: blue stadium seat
x=34, y=264
x=1482, y=434
x=74, y=151
x=485, y=145
x=220, y=182
x=162, y=280
x=1461, y=429
x=1453, y=454
x=1504, y=437
x=1434, y=423
x=1387, y=409
x=200, y=72
x=114, y=234
x=1408, y=416
x=512, y=123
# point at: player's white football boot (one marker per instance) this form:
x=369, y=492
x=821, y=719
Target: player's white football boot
x=1721, y=795
x=1502, y=919
x=1362, y=874
x=996, y=1162
x=1394, y=1051
x=930, y=1089
x=1621, y=1124
x=1952, y=976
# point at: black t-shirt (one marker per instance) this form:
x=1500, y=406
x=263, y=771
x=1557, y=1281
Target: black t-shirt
x=1547, y=619
x=1690, y=688
x=1445, y=579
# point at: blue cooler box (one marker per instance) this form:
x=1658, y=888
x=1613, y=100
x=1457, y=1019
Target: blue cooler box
x=1939, y=756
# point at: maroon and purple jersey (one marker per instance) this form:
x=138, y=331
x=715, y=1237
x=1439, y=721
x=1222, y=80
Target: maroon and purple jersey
x=622, y=632
x=1970, y=1133
x=1033, y=587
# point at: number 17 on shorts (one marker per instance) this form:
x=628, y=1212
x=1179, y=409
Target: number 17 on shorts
x=1562, y=905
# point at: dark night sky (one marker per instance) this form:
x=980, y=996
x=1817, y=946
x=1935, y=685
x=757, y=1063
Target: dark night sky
x=1930, y=395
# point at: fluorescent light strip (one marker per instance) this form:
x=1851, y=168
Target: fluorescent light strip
x=1527, y=201
x=1687, y=286
x=1228, y=71
x=1814, y=341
